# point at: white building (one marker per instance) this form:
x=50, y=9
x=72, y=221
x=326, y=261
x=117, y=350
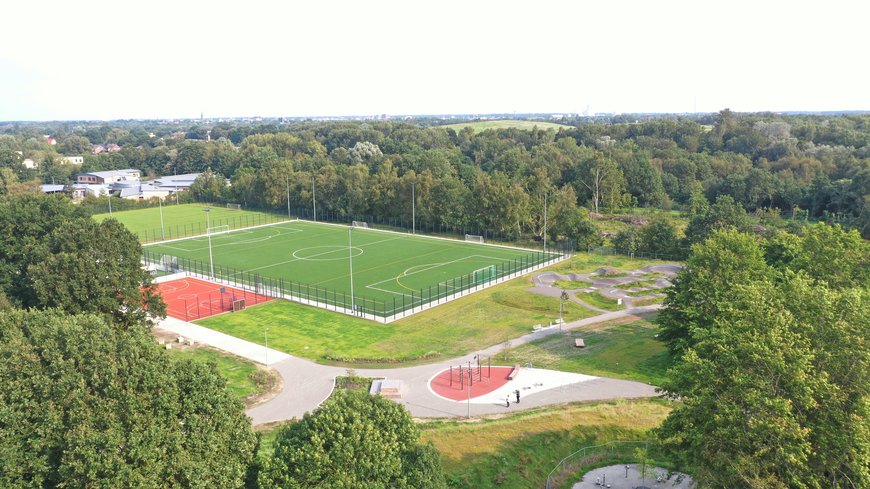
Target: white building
x=108, y=177
x=72, y=160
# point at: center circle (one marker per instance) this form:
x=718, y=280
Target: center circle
x=325, y=253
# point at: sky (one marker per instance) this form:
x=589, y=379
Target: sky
x=88, y=59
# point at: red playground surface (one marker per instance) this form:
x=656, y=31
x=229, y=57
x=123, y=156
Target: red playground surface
x=189, y=298
x=483, y=381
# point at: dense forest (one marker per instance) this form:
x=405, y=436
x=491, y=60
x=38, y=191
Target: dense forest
x=777, y=168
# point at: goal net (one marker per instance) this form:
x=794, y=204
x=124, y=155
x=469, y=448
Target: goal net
x=484, y=275
x=238, y=305
x=218, y=230
x=168, y=263
x=234, y=207
x=360, y=224
x=474, y=238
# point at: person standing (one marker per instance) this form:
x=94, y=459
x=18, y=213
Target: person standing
x=508, y=401
x=517, y=392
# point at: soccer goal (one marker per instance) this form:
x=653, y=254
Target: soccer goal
x=238, y=305
x=360, y=224
x=168, y=263
x=218, y=230
x=474, y=238
x=234, y=207
x=484, y=275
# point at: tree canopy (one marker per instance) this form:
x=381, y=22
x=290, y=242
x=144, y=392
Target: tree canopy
x=353, y=440
x=84, y=404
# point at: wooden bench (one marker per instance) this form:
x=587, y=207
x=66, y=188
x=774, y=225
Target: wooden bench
x=514, y=372
x=579, y=343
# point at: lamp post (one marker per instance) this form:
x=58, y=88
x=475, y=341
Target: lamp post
x=287, y=181
x=562, y=299
x=468, y=400
x=266, y=334
x=313, y=198
x=545, y=223
x=208, y=232
x=350, y=257
x=414, y=207
x=162, y=229
x=109, y=193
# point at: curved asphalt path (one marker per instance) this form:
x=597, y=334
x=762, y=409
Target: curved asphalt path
x=308, y=384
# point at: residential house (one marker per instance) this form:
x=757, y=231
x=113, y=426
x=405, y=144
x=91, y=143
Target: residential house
x=72, y=160
x=108, y=177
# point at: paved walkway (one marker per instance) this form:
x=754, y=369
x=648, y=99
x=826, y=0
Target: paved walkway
x=308, y=384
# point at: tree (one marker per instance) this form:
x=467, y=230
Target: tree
x=83, y=404
x=704, y=287
x=833, y=255
x=353, y=440
x=604, y=181
x=724, y=214
x=660, y=237
x=94, y=267
x=208, y=187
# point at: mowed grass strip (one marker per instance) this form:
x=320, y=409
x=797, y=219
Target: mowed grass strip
x=478, y=126
x=625, y=349
x=598, y=300
x=519, y=450
x=482, y=319
x=184, y=220
x=479, y=320
x=240, y=374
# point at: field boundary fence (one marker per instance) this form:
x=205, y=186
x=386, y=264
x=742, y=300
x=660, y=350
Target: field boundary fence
x=193, y=230
x=562, y=473
x=381, y=310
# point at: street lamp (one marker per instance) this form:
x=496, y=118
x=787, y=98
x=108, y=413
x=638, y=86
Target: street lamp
x=162, y=229
x=350, y=256
x=208, y=232
x=313, y=198
x=413, y=207
x=562, y=299
x=287, y=180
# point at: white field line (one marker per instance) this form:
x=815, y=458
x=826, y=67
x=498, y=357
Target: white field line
x=155, y=243
x=433, y=265
x=426, y=236
x=262, y=239
x=314, y=256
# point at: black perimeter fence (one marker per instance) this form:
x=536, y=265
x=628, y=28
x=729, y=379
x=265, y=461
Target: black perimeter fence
x=605, y=250
x=340, y=301
x=200, y=228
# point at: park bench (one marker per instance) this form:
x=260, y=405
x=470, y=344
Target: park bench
x=579, y=343
x=514, y=372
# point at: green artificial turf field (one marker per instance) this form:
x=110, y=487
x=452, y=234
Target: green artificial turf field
x=185, y=220
x=392, y=272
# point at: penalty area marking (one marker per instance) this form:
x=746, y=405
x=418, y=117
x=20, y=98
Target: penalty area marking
x=332, y=249
x=422, y=268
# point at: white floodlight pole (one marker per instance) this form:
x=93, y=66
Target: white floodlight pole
x=162, y=229
x=109, y=193
x=287, y=179
x=313, y=198
x=545, y=223
x=413, y=207
x=350, y=255
x=208, y=232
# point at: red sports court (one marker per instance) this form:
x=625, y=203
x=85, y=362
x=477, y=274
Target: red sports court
x=191, y=298
x=454, y=383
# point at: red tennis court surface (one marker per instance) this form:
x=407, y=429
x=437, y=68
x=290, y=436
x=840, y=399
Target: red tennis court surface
x=484, y=381
x=191, y=298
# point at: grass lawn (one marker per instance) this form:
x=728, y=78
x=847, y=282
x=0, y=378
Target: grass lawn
x=185, y=220
x=482, y=319
x=623, y=349
x=244, y=378
x=636, y=283
x=596, y=299
x=648, y=301
x=506, y=124
x=519, y=450
x=571, y=284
